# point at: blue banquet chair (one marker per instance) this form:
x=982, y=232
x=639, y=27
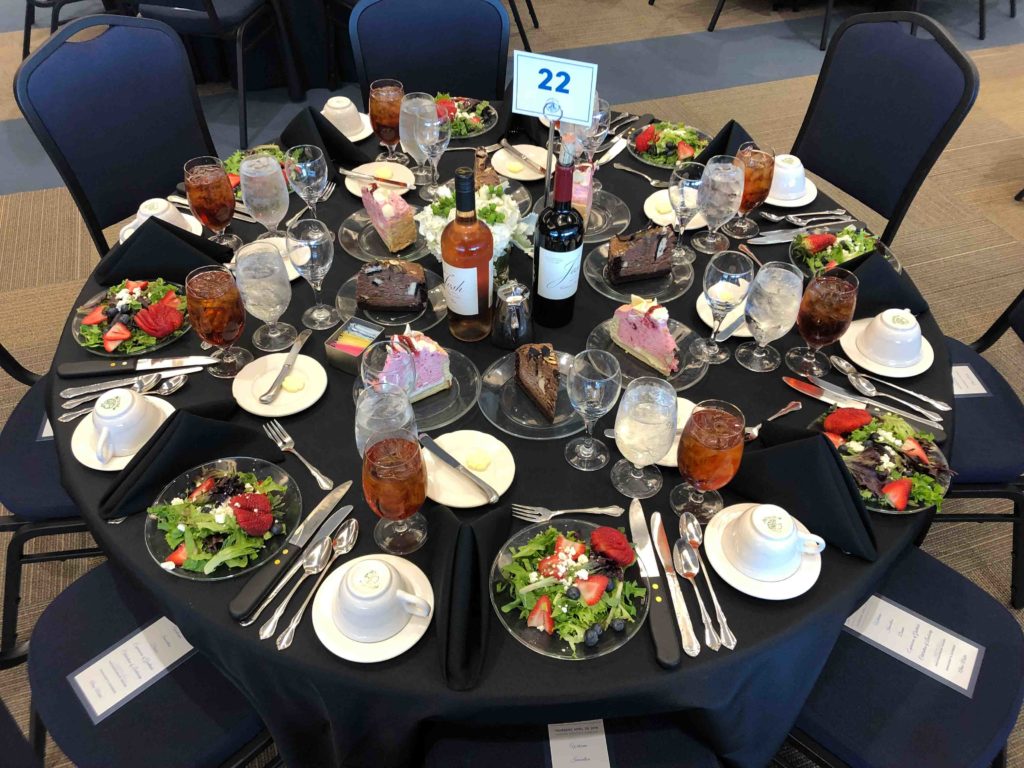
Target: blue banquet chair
x=871, y=710
x=118, y=133
x=885, y=106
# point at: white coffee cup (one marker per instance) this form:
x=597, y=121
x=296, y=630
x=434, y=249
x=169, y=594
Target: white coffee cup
x=892, y=338
x=373, y=604
x=124, y=420
x=765, y=544
x=789, y=180
x=162, y=209
x=343, y=115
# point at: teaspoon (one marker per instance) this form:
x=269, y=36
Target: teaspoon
x=868, y=389
x=689, y=529
x=167, y=387
x=313, y=562
x=845, y=366
x=142, y=385
x=684, y=560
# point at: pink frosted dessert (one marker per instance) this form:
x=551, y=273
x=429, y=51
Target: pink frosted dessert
x=641, y=328
x=391, y=216
x=429, y=358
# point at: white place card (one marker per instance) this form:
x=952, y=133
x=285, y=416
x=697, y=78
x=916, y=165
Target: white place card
x=966, y=382
x=538, y=79
x=943, y=655
x=575, y=744
x=129, y=667
x=45, y=431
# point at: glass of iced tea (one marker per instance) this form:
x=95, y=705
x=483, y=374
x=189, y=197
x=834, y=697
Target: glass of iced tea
x=386, y=115
x=217, y=315
x=710, y=450
x=758, y=168
x=826, y=311
x=395, y=487
x=211, y=198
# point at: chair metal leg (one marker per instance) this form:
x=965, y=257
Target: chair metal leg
x=519, y=24
x=1013, y=10
x=243, y=125
x=533, y=14
x=915, y=9
x=1019, y=196
x=332, y=47
x=30, y=19
x=291, y=71
x=825, y=24
x=981, y=19
x=715, y=15
x=1000, y=760
x=36, y=733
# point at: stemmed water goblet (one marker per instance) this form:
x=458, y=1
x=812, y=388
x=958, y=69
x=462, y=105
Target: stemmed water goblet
x=433, y=131
x=718, y=199
x=306, y=168
x=683, y=193
x=758, y=168
x=592, y=136
x=826, y=311
x=380, y=407
x=211, y=198
x=771, y=309
x=385, y=116
x=710, y=450
x=727, y=279
x=594, y=383
x=264, y=191
x=263, y=281
x=412, y=103
x=311, y=251
x=217, y=315
x=395, y=487
x=645, y=426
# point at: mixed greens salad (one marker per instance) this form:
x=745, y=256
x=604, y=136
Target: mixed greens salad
x=468, y=116
x=233, y=162
x=133, y=317
x=668, y=143
x=824, y=250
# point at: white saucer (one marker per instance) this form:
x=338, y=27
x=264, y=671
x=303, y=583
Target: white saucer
x=370, y=653
x=667, y=219
x=500, y=161
x=684, y=408
x=364, y=132
x=282, y=246
x=810, y=192
x=398, y=173
x=704, y=312
x=848, y=341
x=83, y=440
x=256, y=378
x=801, y=581
x=194, y=226
x=449, y=487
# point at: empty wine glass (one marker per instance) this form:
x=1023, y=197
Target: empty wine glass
x=433, y=131
x=772, y=304
x=381, y=407
x=710, y=450
x=594, y=383
x=683, y=192
x=592, y=136
x=758, y=168
x=264, y=191
x=412, y=103
x=385, y=117
x=263, y=281
x=645, y=426
x=727, y=280
x=376, y=365
x=311, y=252
x=719, y=199
x=826, y=311
x=306, y=167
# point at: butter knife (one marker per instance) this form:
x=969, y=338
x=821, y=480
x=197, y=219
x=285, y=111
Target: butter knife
x=451, y=461
x=731, y=328
x=690, y=643
x=377, y=179
x=268, y=397
x=536, y=167
x=611, y=154
x=101, y=386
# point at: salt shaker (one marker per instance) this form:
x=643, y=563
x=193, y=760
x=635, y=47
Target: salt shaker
x=512, y=325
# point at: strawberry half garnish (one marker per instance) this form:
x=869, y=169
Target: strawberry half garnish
x=612, y=544
x=645, y=137
x=540, y=616
x=202, y=489
x=97, y=316
x=591, y=589
x=912, y=448
x=572, y=548
x=842, y=421
x=898, y=493
x=158, y=320
x=115, y=334
x=171, y=300
x=131, y=285
x=252, y=512
x=819, y=242
x=447, y=108
x=235, y=179
x=684, y=151
x=550, y=566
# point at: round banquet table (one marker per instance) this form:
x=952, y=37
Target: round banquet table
x=324, y=711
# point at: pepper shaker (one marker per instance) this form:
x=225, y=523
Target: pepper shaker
x=512, y=325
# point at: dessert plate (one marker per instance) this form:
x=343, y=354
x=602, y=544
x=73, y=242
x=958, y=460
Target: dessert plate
x=810, y=192
x=256, y=378
x=447, y=486
x=83, y=440
x=369, y=653
x=660, y=200
x=691, y=370
x=360, y=240
x=281, y=244
x=502, y=159
x=421, y=320
x=609, y=216
x=364, y=132
x=662, y=289
x=848, y=341
x=794, y=586
x=704, y=313
x=398, y=173
x=444, y=407
x=508, y=408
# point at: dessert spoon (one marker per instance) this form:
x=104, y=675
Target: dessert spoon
x=313, y=562
x=684, y=560
x=689, y=529
x=868, y=389
x=845, y=366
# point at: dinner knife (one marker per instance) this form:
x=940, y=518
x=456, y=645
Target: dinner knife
x=930, y=416
x=428, y=442
x=268, y=397
x=666, y=642
x=262, y=581
x=137, y=364
x=690, y=643
x=777, y=236
x=731, y=328
x=534, y=166
x=369, y=177
x=617, y=147
x=100, y=386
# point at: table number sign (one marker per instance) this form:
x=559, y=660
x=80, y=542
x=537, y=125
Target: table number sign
x=941, y=654
x=539, y=79
x=576, y=744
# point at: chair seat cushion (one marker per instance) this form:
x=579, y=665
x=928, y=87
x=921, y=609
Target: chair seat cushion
x=873, y=711
x=29, y=474
x=987, y=444
x=186, y=21
x=189, y=718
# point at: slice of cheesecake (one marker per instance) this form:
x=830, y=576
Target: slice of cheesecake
x=391, y=284
x=641, y=255
x=641, y=329
x=391, y=216
x=430, y=360
x=537, y=375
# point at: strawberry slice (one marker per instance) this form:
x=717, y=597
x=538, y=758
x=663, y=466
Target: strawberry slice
x=914, y=449
x=645, y=137
x=158, y=320
x=550, y=566
x=612, y=544
x=170, y=299
x=898, y=493
x=235, y=179
x=591, y=589
x=832, y=264
x=178, y=556
x=540, y=617
x=97, y=316
x=836, y=440
x=819, y=242
x=572, y=548
x=684, y=151
x=843, y=421
x=115, y=334
x=446, y=108
x=202, y=489
x=131, y=285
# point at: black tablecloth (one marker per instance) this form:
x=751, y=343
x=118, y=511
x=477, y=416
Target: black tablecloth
x=325, y=711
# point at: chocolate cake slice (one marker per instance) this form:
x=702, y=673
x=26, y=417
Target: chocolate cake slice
x=641, y=255
x=391, y=284
x=483, y=171
x=537, y=376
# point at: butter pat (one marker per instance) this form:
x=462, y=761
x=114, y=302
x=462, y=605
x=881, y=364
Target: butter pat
x=293, y=382
x=662, y=206
x=514, y=166
x=384, y=172
x=478, y=460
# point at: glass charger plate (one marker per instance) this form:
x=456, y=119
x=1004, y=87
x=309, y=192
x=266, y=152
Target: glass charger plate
x=609, y=216
x=880, y=247
x=490, y=117
x=662, y=289
x=690, y=370
x=85, y=309
x=360, y=240
x=441, y=409
x=519, y=193
x=183, y=485
x=508, y=408
x=631, y=146
x=433, y=313
x=551, y=645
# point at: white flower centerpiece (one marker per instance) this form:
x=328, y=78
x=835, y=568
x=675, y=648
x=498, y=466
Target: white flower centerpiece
x=496, y=208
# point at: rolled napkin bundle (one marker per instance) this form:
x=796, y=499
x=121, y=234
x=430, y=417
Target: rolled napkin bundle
x=828, y=502
x=310, y=127
x=159, y=249
x=184, y=441
x=726, y=142
x=882, y=287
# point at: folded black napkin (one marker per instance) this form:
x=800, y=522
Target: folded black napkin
x=801, y=471
x=518, y=129
x=882, y=287
x=460, y=570
x=159, y=249
x=310, y=127
x=726, y=142
x=184, y=441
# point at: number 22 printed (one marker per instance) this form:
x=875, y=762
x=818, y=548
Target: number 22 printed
x=545, y=83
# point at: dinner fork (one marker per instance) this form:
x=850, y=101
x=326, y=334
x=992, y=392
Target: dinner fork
x=284, y=441
x=489, y=149
x=328, y=191
x=653, y=182
x=542, y=514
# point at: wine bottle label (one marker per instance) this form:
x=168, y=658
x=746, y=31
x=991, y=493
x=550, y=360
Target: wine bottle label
x=460, y=289
x=559, y=273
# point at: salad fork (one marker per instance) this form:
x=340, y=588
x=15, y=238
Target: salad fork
x=284, y=441
x=532, y=514
x=328, y=191
x=653, y=182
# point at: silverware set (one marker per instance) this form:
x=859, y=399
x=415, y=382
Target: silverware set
x=806, y=219
x=152, y=387
x=751, y=433
x=691, y=537
x=862, y=383
x=328, y=191
x=286, y=443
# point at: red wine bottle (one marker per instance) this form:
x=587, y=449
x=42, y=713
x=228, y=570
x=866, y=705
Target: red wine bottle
x=558, y=250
